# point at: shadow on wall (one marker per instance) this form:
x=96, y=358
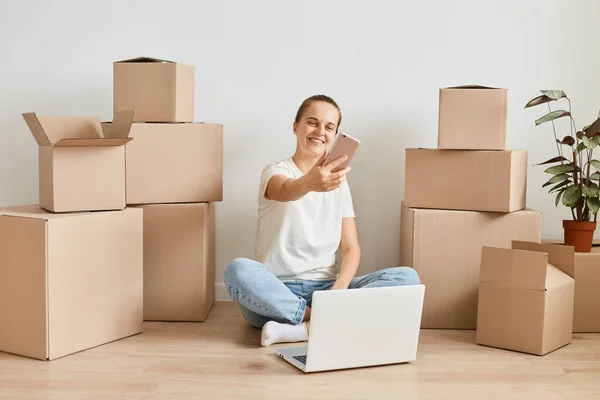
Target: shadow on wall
x=19, y=150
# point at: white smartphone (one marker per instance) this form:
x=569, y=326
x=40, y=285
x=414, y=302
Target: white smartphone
x=343, y=144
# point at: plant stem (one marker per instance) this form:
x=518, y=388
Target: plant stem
x=558, y=146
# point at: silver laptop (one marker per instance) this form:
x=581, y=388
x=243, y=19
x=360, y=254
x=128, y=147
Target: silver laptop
x=359, y=328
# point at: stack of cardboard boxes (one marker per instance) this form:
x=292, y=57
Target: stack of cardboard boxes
x=466, y=229
x=124, y=229
x=467, y=193
x=71, y=268
x=174, y=172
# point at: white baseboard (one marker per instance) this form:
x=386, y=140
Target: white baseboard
x=221, y=292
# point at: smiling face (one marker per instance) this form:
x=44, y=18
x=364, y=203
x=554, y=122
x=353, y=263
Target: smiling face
x=316, y=129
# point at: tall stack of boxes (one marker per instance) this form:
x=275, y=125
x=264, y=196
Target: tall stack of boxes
x=467, y=193
x=125, y=226
x=467, y=231
x=174, y=172
x=71, y=268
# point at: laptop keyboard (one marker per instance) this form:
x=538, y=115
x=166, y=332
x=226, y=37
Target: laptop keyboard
x=302, y=359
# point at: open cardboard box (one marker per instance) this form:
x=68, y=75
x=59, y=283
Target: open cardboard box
x=472, y=117
x=81, y=161
x=526, y=297
x=586, y=315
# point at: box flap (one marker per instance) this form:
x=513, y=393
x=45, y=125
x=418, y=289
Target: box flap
x=49, y=130
x=143, y=59
x=561, y=256
x=120, y=127
x=36, y=129
x=555, y=277
x=515, y=268
x=92, y=142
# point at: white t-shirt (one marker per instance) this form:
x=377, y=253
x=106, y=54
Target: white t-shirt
x=299, y=239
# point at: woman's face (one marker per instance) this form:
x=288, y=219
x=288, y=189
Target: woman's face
x=317, y=127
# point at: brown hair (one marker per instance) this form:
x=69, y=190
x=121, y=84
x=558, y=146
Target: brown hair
x=318, y=97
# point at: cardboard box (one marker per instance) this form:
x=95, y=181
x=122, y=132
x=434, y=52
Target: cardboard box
x=466, y=180
x=175, y=163
x=157, y=90
x=68, y=282
x=444, y=247
x=179, y=261
x=526, y=297
x=81, y=161
x=472, y=118
x=586, y=313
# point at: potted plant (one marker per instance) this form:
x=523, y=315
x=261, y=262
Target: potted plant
x=575, y=174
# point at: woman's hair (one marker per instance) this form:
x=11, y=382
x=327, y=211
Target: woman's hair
x=318, y=97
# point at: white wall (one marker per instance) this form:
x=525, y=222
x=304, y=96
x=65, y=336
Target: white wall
x=383, y=61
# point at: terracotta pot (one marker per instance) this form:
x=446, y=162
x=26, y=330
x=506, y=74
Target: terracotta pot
x=579, y=234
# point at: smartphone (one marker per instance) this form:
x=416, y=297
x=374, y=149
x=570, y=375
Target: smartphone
x=343, y=144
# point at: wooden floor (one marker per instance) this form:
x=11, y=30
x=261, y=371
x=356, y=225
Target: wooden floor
x=222, y=359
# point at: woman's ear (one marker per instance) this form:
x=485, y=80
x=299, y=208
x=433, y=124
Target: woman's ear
x=294, y=127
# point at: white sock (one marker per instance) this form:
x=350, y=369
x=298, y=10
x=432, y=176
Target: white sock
x=274, y=332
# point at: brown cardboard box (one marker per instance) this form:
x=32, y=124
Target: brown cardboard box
x=157, y=90
x=175, y=163
x=179, y=261
x=68, y=282
x=466, y=180
x=444, y=247
x=81, y=161
x=472, y=118
x=526, y=297
x=586, y=313
x=586, y=317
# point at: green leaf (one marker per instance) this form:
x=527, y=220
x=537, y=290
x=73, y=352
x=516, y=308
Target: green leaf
x=593, y=204
x=595, y=176
x=537, y=101
x=591, y=190
x=589, y=143
x=595, y=164
x=561, y=184
x=554, y=94
x=552, y=116
x=559, y=169
x=580, y=147
x=571, y=196
x=559, y=178
x=560, y=193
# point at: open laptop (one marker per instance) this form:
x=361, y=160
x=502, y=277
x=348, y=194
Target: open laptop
x=360, y=327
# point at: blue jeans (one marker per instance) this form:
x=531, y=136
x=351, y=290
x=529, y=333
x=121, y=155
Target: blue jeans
x=262, y=297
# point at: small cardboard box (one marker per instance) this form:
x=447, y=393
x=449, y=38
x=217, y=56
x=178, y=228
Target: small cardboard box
x=526, y=297
x=174, y=163
x=472, y=118
x=69, y=282
x=444, y=247
x=157, y=90
x=179, y=261
x=466, y=180
x=586, y=314
x=81, y=161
